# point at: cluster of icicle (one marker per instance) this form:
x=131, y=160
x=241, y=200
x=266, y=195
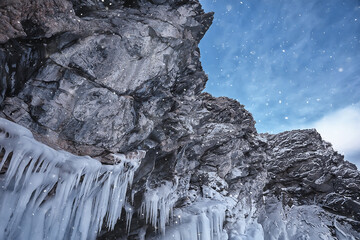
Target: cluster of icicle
x=49, y=194
x=158, y=204
x=201, y=221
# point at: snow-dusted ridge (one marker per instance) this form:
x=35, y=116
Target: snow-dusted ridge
x=49, y=194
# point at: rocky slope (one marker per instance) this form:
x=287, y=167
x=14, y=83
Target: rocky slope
x=99, y=78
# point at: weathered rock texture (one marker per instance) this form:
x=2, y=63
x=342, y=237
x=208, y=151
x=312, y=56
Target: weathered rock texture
x=100, y=77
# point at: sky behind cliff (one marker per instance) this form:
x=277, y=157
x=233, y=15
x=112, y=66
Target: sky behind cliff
x=293, y=64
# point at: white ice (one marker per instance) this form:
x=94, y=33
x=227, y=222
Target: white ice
x=49, y=194
x=202, y=220
x=158, y=204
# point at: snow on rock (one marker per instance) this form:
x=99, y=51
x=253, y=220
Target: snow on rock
x=43, y=188
x=304, y=222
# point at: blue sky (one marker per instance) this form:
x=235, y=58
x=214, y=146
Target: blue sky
x=293, y=64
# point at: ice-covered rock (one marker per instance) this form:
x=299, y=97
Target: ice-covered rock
x=49, y=194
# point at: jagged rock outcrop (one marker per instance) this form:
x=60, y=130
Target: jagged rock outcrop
x=312, y=181
x=100, y=78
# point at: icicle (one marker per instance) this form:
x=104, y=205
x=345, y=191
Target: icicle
x=129, y=214
x=201, y=221
x=49, y=194
x=158, y=204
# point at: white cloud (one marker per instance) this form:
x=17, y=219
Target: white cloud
x=342, y=129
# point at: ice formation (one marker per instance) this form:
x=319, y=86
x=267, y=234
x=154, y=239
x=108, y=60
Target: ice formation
x=201, y=221
x=49, y=194
x=158, y=205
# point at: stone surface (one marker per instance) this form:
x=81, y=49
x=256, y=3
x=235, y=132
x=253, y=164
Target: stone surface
x=102, y=77
x=304, y=170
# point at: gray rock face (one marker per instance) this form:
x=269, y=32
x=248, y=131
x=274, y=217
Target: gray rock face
x=102, y=77
x=304, y=170
x=34, y=19
x=104, y=86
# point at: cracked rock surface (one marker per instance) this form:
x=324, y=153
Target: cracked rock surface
x=102, y=77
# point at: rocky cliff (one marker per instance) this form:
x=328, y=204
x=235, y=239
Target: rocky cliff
x=113, y=80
